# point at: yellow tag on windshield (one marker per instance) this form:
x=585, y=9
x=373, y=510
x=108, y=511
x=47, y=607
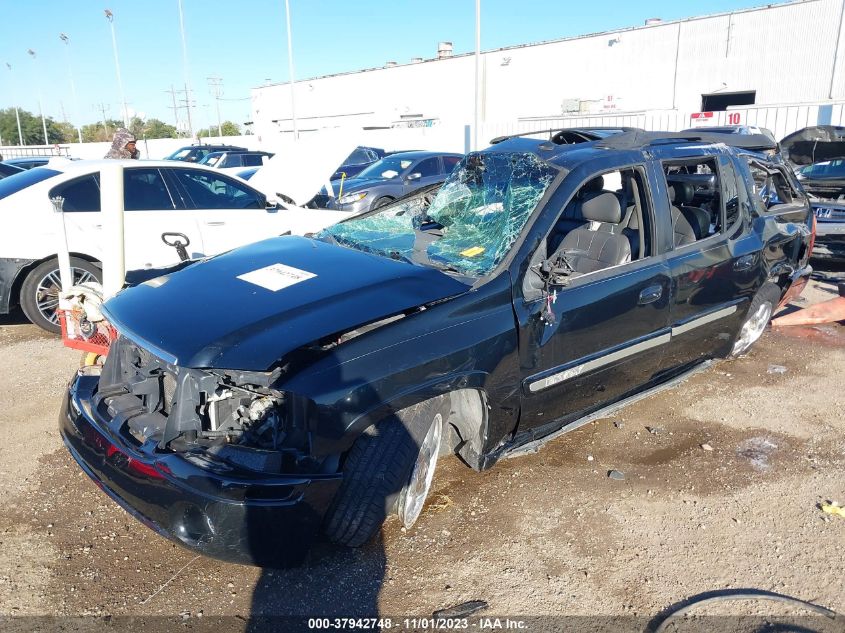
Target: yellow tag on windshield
x=472, y=252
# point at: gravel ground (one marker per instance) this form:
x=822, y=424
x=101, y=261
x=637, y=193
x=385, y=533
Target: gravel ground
x=723, y=478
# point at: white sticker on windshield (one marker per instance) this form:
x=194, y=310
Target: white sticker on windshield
x=276, y=276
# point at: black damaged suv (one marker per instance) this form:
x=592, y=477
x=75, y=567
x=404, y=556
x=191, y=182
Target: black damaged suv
x=301, y=385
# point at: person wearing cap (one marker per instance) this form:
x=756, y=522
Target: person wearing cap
x=123, y=145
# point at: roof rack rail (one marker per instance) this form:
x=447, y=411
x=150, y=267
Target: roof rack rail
x=641, y=140
x=551, y=131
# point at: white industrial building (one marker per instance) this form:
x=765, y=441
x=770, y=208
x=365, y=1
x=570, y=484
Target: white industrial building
x=780, y=66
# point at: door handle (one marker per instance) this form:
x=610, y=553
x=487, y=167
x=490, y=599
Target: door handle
x=744, y=263
x=650, y=294
x=215, y=224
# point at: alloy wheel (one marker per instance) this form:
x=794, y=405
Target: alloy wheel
x=49, y=286
x=416, y=490
x=753, y=328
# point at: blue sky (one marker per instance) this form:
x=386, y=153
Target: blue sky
x=245, y=43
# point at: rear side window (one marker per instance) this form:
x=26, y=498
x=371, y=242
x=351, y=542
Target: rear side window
x=428, y=167
x=252, y=160
x=13, y=184
x=144, y=190
x=730, y=194
x=209, y=191
x=81, y=195
x=695, y=195
x=449, y=163
x=771, y=186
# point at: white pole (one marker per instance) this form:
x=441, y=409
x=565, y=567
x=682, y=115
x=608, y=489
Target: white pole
x=18, y=119
x=17, y=114
x=477, y=72
x=63, y=252
x=66, y=40
x=40, y=106
x=111, y=203
x=110, y=18
x=290, y=72
x=185, y=69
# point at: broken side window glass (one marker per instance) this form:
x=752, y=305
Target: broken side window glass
x=470, y=225
x=771, y=186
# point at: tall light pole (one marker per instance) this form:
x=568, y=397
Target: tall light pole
x=17, y=114
x=215, y=84
x=40, y=106
x=185, y=68
x=477, y=73
x=66, y=40
x=110, y=18
x=290, y=72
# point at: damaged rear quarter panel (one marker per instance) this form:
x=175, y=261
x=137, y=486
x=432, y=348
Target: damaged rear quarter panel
x=465, y=342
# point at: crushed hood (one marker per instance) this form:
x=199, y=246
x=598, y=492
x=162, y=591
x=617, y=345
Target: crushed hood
x=814, y=145
x=209, y=315
x=300, y=168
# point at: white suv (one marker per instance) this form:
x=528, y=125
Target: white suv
x=215, y=211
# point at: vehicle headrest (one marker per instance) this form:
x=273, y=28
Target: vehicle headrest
x=681, y=193
x=602, y=207
x=593, y=186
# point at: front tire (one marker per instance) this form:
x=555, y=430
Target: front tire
x=758, y=317
x=382, y=202
x=388, y=470
x=39, y=297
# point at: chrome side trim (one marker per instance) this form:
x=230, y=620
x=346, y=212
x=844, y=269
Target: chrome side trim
x=607, y=359
x=703, y=320
x=535, y=445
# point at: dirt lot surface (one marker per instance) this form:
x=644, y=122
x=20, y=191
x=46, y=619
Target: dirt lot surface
x=723, y=477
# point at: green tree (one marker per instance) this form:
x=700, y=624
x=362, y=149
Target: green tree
x=31, y=128
x=68, y=132
x=228, y=128
x=136, y=126
x=94, y=132
x=156, y=128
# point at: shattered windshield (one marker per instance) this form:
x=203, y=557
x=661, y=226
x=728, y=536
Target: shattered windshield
x=470, y=225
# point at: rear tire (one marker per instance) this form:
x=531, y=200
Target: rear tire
x=382, y=476
x=758, y=317
x=39, y=297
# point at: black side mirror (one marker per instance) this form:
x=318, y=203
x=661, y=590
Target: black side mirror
x=415, y=176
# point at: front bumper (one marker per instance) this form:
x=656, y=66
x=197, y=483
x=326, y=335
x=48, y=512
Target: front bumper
x=212, y=508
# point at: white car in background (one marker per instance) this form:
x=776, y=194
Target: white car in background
x=232, y=162
x=215, y=211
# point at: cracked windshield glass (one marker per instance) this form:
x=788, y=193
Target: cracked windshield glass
x=469, y=226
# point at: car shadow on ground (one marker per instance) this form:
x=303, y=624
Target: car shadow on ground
x=15, y=317
x=334, y=582
x=313, y=577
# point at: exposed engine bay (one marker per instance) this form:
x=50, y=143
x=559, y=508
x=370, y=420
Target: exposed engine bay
x=235, y=416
